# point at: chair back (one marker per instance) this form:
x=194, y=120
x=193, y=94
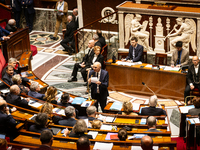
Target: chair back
x=161, y=59
x=144, y=56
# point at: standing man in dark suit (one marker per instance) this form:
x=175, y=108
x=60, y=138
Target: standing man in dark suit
x=180, y=56
x=29, y=12
x=69, y=35
x=101, y=38
x=193, y=77
x=135, y=51
x=99, y=85
x=75, y=17
x=16, y=8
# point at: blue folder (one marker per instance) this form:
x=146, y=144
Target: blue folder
x=116, y=106
x=79, y=100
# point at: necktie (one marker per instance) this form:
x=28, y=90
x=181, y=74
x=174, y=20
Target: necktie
x=178, y=60
x=133, y=52
x=97, y=84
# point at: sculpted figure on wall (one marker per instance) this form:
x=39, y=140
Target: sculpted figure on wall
x=133, y=28
x=186, y=33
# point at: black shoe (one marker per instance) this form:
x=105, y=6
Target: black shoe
x=54, y=38
x=72, y=80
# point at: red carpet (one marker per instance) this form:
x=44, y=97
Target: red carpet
x=180, y=143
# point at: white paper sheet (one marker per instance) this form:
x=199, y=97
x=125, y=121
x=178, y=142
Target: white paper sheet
x=102, y=146
x=136, y=106
x=167, y=68
x=93, y=133
x=86, y=104
x=61, y=112
x=35, y=104
x=86, y=121
x=71, y=99
x=106, y=127
x=94, y=79
x=185, y=109
x=196, y=120
x=4, y=91
x=148, y=66
x=139, y=148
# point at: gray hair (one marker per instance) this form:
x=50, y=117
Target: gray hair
x=91, y=110
x=80, y=126
x=98, y=63
x=12, y=60
x=95, y=37
x=34, y=85
x=69, y=18
x=69, y=111
x=151, y=121
x=75, y=10
x=153, y=101
x=16, y=78
x=14, y=88
x=11, y=22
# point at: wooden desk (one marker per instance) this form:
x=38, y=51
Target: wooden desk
x=165, y=84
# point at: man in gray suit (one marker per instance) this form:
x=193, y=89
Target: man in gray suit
x=180, y=56
x=151, y=122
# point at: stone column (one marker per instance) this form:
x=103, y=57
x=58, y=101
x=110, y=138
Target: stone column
x=198, y=37
x=121, y=29
x=80, y=13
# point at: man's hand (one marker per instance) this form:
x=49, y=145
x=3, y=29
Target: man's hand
x=123, y=60
x=129, y=61
x=7, y=111
x=6, y=38
x=63, y=29
x=66, y=132
x=89, y=80
x=82, y=66
x=11, y=32
x=13, y=109
x=172, y=66
x=98, y=82
x=178, y=66
x=191, y=87
x=27, y=99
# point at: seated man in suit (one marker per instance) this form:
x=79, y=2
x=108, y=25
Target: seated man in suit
x=180, y=56
x=193, y=76
x=91, y=113
x=151, y=122
x=7, y=123
x=7, y=77
x=34, y=89
x=3, y=34
x=46, y=139
x=70, y=114
x=99, y=89
x=83, y=143
x=135, y=51
x=14, y=98
x=69, y=35
x=82, y=65
x=152, y=110
x=11, y=25
x=147, y=143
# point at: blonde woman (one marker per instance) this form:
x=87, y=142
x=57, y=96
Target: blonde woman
x=50, y=95
x=128, y=109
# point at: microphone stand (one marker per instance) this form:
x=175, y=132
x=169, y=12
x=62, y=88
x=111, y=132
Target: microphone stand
x=88, y=87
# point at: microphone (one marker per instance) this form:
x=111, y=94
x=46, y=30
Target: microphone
x=148, y=88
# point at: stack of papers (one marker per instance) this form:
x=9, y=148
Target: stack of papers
x=139, y=148
x=107, y=118
x=106, y=127
x=128, y=63
x=168, y=68
x=194, y=120
x=86, y=103
x=116, y=106
x=136, y=106
x=4, y=91
x=110, y=136
x=93, y=133
x=59, y=111
x=102, y=146
x=33, y=103
x=78, y=100
x=185, y=109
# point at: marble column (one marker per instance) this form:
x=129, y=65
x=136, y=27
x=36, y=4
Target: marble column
x=198, y=37
x=121, y=29
x=80, y=13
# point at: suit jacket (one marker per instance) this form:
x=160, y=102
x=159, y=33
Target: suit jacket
x=192, y=74
x=194, y=111
x=76, y=21
x=184, y=57
x=78, y=135
x=100, y=59
x=18, y=6
x=102, y=41
x=65, y=10
x=64, y=104
x=138, y=53
x=6, y=123
x=10, y=28
x=16, y=100
x=88, y=56
x=69, y=34
x=43, y=147
x=3, y=32
x=152, y=130
x=67, y=122
x=152, y=111
x=98, y=43
x=29, y=5
x=104, y=79
x=6, y=78
x=36, y=95
x=35, y=128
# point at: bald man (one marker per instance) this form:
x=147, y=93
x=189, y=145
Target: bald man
x=7, y=123
x=82, y=65
x=147, y=143
x=75, y=17
x=99, y=86
x=151, y=122
x=11, y=25
x=193, y=77
x=69, y=35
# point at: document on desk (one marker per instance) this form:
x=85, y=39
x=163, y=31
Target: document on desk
x=136, y=106
x=107, y=118
x=139, y=148
x=128, y=63
x=168, y=68
x=94, y=79
x=185, y=109
x=35, y=104
x=106, y=127
x=196, y=120
x=78, y=100
x=116, y=106
x=93, y=134
x=102, y=146
x=86, y=104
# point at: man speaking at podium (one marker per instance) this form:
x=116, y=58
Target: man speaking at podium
x=99, y=83
x=135, y=51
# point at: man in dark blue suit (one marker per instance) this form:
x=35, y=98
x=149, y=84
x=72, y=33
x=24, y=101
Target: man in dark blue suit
x=29, y=12
x=34, y=89
x=135, y=51
x=3, y=34
x=16, y=8
x=99, y=85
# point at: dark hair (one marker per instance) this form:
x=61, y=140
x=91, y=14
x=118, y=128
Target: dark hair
x=134, y=38
x=122, y=134
x=9, y=66
x=196, y=102
x=99, y=33
x=83, y=143
x=46, y=136
x=179, y=44
x=2, y=106
x=65, y=98
x=41, y=119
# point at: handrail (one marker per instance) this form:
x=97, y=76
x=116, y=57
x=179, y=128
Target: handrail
x=5, y=7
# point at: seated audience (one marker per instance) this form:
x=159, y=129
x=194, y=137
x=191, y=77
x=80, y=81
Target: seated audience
x=101, y=38
x=70, y=117
x=18, y=81
x=7, y=123
x=152, y=110
x=128, y=109
x=147, y=143
x=151, y=122
x=50, y=95
x=122, y=134
x=196, y=110
x=41, y=121
x=83, y=143
x=46, y=139
x=3, y=144
x=96, y=124
x=11, y=25
x=79, y=129
x=7, y=77
x=14, y=98
x=64, y=100
x=34, y=89
x=91, y=113
x=3, y=34
x=46, y=108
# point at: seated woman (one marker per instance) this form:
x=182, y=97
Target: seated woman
x=50, y=95
x=18, y=81
x=78, y=130
x=122, y=134
x=128, y=109
x=34, y=89
x=64, y=100
x=96, y=124
x=196, y=110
